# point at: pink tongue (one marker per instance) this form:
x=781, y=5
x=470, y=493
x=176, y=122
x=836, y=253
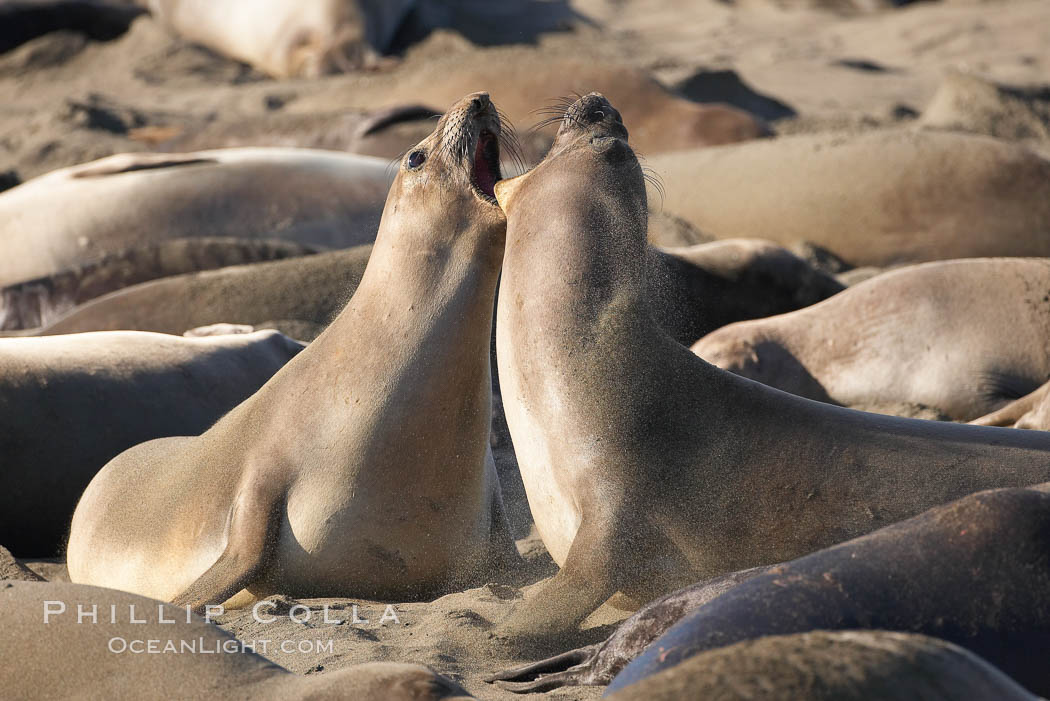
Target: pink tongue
x=483, y=175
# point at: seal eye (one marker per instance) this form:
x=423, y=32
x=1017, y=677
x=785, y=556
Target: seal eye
x=416, y=159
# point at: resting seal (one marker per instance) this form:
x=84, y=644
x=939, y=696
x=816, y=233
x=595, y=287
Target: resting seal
x=306, y=38
x=35, y=303
x=647, y=469
x=975, y=572
x=97, y=658
x=930, y=335
x=362, y=469
x=69, y=404
x=74, y=216
x=824, y=666
x=877, y=198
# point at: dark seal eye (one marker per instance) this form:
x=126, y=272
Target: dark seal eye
x=416, y=159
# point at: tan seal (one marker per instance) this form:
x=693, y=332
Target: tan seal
x=956, y=338
x=877, y=198
x=363, y=469
x=77, y=215
x=65, y=641
x=69, y=404
x=306, y=38
x=647, y=469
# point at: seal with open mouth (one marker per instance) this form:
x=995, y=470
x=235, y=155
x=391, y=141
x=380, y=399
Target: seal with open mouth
x=363, y=469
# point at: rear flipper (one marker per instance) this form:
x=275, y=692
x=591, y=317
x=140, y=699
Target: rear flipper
x=567, y=669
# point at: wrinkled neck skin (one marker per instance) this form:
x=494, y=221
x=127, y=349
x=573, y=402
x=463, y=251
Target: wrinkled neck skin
x=416, y=333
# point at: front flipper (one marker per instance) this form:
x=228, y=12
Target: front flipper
x=593, y=571
x=252, y=528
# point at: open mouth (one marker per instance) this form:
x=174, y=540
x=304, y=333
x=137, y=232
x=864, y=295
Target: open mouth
x=485, y=173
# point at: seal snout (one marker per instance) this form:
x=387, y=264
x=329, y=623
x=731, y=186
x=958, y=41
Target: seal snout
x=595, y=114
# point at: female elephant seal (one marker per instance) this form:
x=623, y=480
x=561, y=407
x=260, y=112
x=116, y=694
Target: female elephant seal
x=69, y=404
x=364, y=468
x=65, y=641
x=647, y=469
x=878, y=198
x=832, y=666
x=928, y=336
x=307, y=38
x=76, y=215
x=975, y=572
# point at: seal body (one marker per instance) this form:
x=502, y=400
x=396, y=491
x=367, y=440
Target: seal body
x=288, y=39
x=877, y=198
x=832, y=666
x=302, y=294
x=38, y=302
x=76, y=215
x=916, y=576
x=69, y=404
x=930, y=336
x=104, y=636
x=1031, y=411
x=646, y=468
x=364, y=469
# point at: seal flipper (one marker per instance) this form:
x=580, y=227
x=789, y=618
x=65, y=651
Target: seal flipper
x=554, y=672
x=253, y=525
x=591, y=574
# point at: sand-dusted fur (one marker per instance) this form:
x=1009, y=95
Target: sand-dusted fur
x=877, y=198
x=36, y=303
x=74, y=216
x=960, y=337
x=309, y=291
x=364, y=468
x=647, y=469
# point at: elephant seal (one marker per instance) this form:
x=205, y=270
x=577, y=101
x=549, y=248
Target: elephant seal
x=877, y=198
x=364, y=467
x=308, y=291
x=832, y=666
x=697, y=289
x=73, y=216
x=106, y=637
x=596, y=665
x=69, y=404
x=693, y=290
x=523, y=79
x=303, y=39
x=35, y=303
x=975, y=572
x=646, y=469
x=929, y=335
x=1031, y=411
